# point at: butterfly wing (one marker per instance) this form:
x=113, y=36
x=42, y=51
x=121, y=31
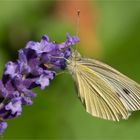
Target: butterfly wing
x=127, y=89
x=105, y=92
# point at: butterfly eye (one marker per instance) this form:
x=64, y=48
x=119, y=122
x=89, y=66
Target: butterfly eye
x=126, y=91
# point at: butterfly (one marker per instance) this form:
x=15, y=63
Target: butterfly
x=105, y=92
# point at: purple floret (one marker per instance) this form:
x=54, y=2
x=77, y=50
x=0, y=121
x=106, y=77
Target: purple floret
x=14, y=106
x=35, y=67
x=3, y=126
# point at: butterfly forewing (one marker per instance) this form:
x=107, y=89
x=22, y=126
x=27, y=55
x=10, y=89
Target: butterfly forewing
x=105, y=92
x=127, y=89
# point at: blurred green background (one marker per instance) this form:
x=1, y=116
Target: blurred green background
x=57, y=112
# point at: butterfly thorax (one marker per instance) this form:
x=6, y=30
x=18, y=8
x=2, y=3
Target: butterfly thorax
x=73, y=61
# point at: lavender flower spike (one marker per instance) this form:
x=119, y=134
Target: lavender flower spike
x=33, y=68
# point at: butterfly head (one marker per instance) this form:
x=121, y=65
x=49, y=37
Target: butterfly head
x=75, y=56
x=72, y=61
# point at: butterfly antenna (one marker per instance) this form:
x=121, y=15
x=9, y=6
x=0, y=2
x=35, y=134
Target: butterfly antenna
x=77, y=25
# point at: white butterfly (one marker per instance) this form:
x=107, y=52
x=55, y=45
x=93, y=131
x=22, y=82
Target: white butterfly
x=104, y=91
